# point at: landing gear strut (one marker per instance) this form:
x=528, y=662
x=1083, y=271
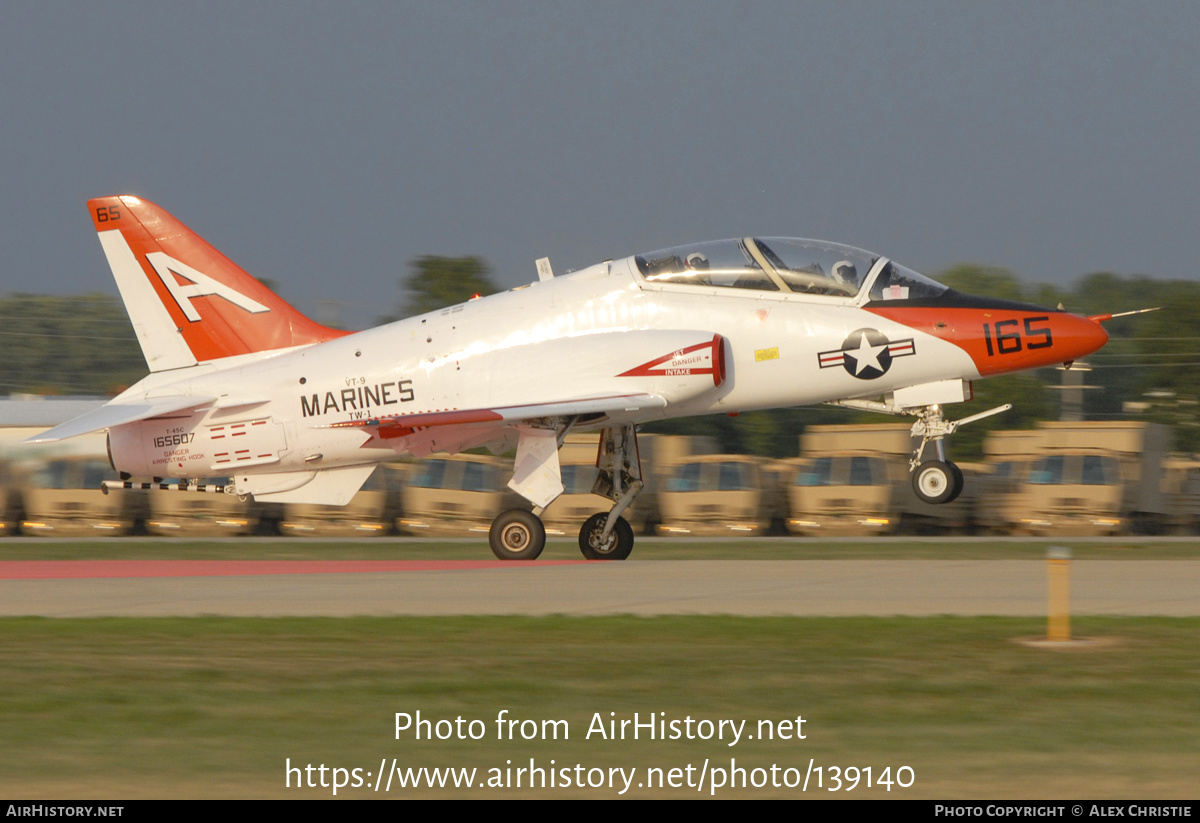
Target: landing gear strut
x=608, y=536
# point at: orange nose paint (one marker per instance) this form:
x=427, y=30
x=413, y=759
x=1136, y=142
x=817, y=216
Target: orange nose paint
x=1004, y=340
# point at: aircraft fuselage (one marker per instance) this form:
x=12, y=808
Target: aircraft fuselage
x=572, y=336
x=244, y=386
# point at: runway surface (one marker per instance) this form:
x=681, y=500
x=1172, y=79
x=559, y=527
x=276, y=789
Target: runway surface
x=754, y=588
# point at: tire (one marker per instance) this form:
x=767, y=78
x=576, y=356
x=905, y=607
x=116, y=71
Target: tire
x=959, y=482
x=517, y=535
x=620, y=542
x=933, y=482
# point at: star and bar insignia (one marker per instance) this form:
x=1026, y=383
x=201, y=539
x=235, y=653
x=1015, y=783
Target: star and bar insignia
x=866, y=354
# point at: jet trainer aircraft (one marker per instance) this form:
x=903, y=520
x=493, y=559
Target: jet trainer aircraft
x=242, y=385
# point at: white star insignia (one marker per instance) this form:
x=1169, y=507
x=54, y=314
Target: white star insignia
x=866, y=355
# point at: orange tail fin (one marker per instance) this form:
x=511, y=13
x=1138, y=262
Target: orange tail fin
x=188, y=302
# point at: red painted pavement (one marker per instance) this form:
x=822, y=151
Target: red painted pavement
x=87, y=569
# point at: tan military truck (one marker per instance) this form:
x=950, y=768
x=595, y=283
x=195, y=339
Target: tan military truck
x=720, y=495
x=853, y=480
x=1003, y=494
x=62, y=496
x=1181, y=484
x=458, y=495
x=193, y=513
x=841, y=495
x=1097, y=478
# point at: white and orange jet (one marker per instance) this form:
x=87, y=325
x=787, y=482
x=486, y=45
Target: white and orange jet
x=243, y=386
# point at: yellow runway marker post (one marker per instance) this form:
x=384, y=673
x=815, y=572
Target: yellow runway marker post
x=1058, y=569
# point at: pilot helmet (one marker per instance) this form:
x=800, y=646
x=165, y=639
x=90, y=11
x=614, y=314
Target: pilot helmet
x=844, y=271
x=697, y=260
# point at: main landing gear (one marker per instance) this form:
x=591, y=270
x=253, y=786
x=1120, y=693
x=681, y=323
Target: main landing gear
x=518, y=534
x=595, y=546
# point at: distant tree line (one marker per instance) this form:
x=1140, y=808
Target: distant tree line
x=67, y=345
x=1149, y=370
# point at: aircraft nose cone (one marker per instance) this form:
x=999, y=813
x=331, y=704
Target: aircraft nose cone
x=1077, y=337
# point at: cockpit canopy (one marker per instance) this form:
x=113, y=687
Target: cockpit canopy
x=786, y=264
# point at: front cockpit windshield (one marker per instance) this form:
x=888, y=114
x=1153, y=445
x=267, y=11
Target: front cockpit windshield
x=896, y=282
x=779, y=264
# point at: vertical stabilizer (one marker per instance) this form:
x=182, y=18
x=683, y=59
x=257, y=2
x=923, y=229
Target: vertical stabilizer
x=188, y=302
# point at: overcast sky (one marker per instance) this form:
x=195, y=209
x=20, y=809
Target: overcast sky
x=324, y=145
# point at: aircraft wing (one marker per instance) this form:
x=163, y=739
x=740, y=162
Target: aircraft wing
x=537, y=476
x=116, y=414
x=405, y=424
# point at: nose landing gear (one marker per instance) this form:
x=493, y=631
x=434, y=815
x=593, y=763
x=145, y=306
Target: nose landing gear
x=934, y=481
x=939, y=480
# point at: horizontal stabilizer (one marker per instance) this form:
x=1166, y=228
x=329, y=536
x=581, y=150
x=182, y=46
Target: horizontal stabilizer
x=405, y=424
x=116, y=414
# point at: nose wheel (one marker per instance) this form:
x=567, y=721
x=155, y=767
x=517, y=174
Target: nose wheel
x=595, y=546
x=937, y=482
x=517, y=535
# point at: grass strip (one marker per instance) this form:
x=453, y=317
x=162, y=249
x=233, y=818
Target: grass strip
x=213, y=707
